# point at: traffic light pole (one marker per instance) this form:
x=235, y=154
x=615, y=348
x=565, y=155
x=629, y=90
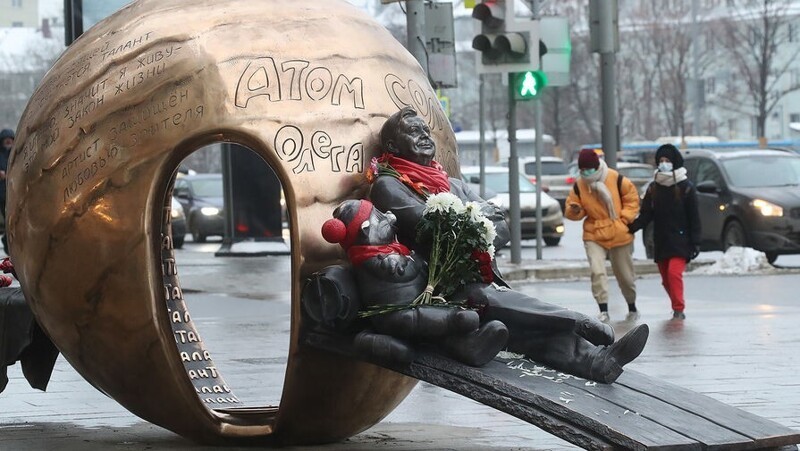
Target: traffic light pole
x=537, y=112
x=513, y=176
x=604, y=36
x=610, y=132
x=481, y=137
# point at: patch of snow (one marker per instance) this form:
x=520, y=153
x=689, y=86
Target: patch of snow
x=738, y=260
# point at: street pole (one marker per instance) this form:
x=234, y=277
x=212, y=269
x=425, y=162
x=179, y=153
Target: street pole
x=537, y=112
x=513, y=176
x=604, y=36
x=415, y=30
x=481, y=138
x=227, y=193
x=607, y=80
x=696, y=85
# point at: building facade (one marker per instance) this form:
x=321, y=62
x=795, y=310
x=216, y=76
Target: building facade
x=19, y=13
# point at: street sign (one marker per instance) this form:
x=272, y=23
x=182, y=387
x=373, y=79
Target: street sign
x=554, y=32
x=440, y=44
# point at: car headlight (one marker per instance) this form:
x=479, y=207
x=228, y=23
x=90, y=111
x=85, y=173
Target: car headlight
x=209, y=211
x=767, y=208
x=176, y=210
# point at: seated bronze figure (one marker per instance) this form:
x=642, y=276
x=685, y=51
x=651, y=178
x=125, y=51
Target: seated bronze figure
x=563, y=339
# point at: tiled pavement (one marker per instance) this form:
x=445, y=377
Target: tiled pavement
x=740, y=345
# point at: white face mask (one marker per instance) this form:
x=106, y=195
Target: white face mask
x=665, y=166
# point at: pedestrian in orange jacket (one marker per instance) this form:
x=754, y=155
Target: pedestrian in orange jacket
x=607, y=202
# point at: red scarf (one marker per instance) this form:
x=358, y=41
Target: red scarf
x=432, y=179
x=359, y=254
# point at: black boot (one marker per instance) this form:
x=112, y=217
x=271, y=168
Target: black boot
x=479, y=347
x=596, y=332
x=608, y=362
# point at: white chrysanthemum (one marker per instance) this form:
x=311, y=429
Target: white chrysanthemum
x=442, y=202
x=490, y=233
x=473, y=210
x=491, y=250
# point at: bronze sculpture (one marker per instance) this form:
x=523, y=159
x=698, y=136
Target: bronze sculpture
x=97, y=147
x=387, y=273
x=563, y=339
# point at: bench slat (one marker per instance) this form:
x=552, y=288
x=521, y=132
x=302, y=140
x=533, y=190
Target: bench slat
x=576, y=405
x=766, y=433
x=637, y=412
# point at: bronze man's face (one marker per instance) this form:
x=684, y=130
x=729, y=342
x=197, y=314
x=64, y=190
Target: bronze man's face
x=413, y=141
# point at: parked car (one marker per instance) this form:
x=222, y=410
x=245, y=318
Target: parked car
x=201, y=197
x=640, y=174
x=556, y=179
x=497, y=193
x=178, y=223
x=747, y=198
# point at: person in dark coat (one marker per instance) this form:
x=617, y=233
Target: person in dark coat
x=671, y=204
x=6, y=144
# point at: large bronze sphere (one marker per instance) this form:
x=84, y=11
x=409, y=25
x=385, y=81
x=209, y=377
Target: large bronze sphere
x=306, y=84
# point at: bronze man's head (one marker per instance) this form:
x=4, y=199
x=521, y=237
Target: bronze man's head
x=407, y=136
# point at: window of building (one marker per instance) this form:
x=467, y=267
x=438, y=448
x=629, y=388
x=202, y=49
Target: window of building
x=710, y=38
x=711, y=85
x=794, y=117
x=795, y=77
x=732, y=129
x=712, y=127
x=16, y=3
x=752, y=36
x=17, y=24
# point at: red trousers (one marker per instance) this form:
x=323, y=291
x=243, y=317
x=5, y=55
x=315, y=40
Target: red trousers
x=672, y=278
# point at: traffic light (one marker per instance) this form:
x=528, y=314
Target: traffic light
x=504, y=43
x=529, y=84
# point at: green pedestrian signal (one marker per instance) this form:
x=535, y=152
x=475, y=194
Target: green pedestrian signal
x=529, y=85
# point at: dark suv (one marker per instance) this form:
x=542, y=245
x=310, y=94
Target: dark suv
x=747, y=198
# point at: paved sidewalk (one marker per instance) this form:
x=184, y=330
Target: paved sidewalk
x=726, y=351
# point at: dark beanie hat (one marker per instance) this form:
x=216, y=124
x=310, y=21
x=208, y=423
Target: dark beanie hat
x=6, y=133
x=588, y=159
x=672, y=154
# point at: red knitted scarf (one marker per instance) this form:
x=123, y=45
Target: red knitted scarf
x=359, y=254
x=432, y=179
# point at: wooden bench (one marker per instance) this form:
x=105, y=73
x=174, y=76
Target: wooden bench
x=637, y=412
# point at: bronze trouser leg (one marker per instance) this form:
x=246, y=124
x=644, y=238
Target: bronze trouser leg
x=567, y=352
x=517, y=310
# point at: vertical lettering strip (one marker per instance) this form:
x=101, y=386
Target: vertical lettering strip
x=200, y=368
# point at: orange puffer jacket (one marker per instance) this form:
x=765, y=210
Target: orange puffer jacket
x=598, y=226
